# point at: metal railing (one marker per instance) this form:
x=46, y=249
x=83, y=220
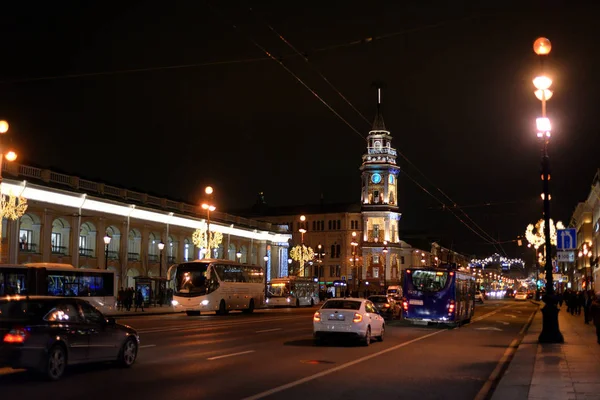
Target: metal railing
x=101, y=189
x=86, y=252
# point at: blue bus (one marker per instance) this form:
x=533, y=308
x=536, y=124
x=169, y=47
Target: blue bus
x=440, y=295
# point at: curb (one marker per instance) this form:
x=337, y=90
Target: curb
x=144, y=314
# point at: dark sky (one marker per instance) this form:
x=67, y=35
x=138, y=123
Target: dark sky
x=458, y=100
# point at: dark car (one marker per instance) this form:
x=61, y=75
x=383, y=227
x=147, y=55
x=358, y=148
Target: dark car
x=46, y=334
x=387, y=307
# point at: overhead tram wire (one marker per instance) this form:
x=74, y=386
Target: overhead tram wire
x=441, y=202
x=347, y=123
x=237, y=61
x=305, y=57
x=278, y=61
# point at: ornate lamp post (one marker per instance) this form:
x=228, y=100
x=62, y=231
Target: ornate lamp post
x=550, y=330
x=106, y=243
x=385, y=251
x=266, y=258
x=161, y=247
x=354, y=245
x=239, y=256
x=586, y=252
x=289, y=266
x=208, y=207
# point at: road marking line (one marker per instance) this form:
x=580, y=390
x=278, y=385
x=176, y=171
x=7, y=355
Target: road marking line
x=147, y=345
x=231, y=355
x=504, y=361
x=269, y=330
x=212, y=325
x=338, y=368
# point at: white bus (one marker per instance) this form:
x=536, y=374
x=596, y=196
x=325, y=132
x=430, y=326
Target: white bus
x=292, y=291
x=216, y=285
x=52, y=279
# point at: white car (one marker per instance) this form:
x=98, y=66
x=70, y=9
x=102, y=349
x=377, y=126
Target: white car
x=348, y=317
x=479, y=296
x=521, y=296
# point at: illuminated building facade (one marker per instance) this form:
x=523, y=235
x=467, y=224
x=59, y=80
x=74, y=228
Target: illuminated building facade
x=67, y=219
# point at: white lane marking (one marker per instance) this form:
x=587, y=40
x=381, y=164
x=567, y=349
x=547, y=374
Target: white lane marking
x=147, y=345
x=230, y=355
x=269, y=330
x=510, y=315
x=335, y=369
x=281, y=388
x=489, y=328
x=505, y=323
x=211, y=325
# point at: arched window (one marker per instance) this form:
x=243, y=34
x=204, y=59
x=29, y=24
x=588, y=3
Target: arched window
x=188, y=249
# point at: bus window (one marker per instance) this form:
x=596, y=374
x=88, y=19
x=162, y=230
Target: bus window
x=429, y=281
x=12, y=283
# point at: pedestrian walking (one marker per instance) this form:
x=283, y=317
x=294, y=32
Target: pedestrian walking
x=139, y=300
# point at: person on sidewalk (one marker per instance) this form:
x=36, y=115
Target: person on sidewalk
x=139, y=300
x=588, y=297
x=595, y=311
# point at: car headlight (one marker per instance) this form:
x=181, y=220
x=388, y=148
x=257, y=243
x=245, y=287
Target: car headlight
x=174, y=302
x=204, y=302
x=288, y=299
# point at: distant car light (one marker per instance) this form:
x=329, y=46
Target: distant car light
x=174, y=302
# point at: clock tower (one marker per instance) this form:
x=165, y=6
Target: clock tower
x=379, y=208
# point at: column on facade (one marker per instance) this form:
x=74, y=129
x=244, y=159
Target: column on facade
x=45, y=240
x=13, y=241
x=144, y=245
x=365, y=228
x=74, y=238
x=386, y=224
x=99, y=241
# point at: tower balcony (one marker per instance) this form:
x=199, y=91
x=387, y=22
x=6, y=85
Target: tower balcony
x=381, y=150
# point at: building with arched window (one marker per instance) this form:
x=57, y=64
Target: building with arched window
x=67, y=219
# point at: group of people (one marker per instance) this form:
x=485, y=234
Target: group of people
x=585, y=300
x=128, y=297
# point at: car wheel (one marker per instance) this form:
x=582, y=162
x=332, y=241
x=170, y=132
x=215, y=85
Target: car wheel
x=128, y=353
x=367, y=340
x=380, y=337
x=222, y=308
x=56, y=362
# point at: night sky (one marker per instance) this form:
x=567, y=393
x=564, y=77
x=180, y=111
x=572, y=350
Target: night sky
x=457, y=98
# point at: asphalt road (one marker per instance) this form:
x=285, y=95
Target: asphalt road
x=270, y=354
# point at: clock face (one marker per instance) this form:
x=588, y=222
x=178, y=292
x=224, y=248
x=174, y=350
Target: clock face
x=375, y=178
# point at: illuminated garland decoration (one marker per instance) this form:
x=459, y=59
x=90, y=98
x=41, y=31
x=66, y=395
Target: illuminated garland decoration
x=11, y=208
x=301, y=254
x=199, y=237
x=496, y=259
x=535, y=233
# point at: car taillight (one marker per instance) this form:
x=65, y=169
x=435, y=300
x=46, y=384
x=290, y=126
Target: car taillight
x=405, y=304
x=387, y=305
x=18, y=335
x=317, y=317
x=451, y=306
x=357, y=318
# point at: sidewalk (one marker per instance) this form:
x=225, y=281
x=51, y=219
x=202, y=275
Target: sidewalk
x=554, y=371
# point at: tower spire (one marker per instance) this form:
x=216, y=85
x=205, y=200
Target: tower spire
x=378, y=124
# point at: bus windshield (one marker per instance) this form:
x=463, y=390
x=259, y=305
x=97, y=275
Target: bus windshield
x=191, y=279
x=429, y=281
x=278, y=290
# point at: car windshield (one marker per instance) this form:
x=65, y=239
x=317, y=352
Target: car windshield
x=23, y=310
x=342, y=304
x=379, y=299
x=278, y=290
x=429, y=281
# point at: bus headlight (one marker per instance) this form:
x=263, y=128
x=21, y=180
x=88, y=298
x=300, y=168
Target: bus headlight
x=204, y=302
x=174, y=302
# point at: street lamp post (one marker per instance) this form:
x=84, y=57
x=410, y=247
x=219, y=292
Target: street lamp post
x=266, y=258
x=208, y=207
x=161, y=247
x=584, y=253
x=289, y=266
x=550, y=330
x=354, y=245
x=302, y=230
x=106, y=243
x=385, y=251
x=239, y=255
x=320, y=255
